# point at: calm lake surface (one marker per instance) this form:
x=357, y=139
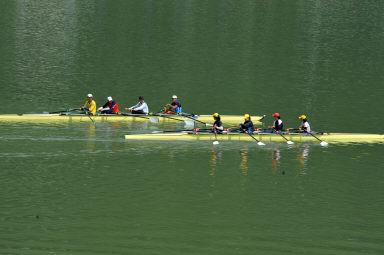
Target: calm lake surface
x=76, y=188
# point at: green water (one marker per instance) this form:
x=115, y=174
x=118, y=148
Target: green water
x=73, y=188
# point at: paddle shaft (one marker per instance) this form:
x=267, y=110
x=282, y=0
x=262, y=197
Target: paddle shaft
x=202, y=122
x=215, y=135
x=283, y=136
x=69, y=110
x=169, y=117
x=89, y=115
x=183, y=130
x=316, y=137
x=139, y=116
x=253, y=137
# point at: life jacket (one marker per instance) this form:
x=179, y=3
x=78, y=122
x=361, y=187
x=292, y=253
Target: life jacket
x=278, y=125
x=113, y=106
x=178, y=108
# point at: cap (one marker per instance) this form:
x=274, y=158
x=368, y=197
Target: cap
x=141, y=98
x=89, y=95
x=246, y=116
x=216, y=115
x=276, y=115
x=174, y=96
x=109, y=98
x=302, y=117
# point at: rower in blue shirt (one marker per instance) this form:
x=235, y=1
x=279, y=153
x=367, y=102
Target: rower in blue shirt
x=174, y=107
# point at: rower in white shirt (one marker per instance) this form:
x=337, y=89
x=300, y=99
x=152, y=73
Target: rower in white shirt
x=304, y=127
x=140, y=108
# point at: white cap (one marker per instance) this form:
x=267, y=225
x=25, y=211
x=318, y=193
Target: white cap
x=109, y=98
x=174, y=96
x=89, y=95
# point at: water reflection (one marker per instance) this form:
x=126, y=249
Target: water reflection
x=302, y=157
x=244, y=153
x=244, y=160
x=91, y=133
x=275, y=160
x=216, y=155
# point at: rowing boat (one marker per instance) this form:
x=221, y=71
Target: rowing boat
x=265, y=137
x=70, y=117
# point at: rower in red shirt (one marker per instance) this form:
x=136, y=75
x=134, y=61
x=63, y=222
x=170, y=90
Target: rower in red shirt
x=110, y=107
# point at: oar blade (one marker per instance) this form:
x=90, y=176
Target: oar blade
x=260, y=143
x=323, y=143
x=290, y=142
x=154, y=120
x=216, y=142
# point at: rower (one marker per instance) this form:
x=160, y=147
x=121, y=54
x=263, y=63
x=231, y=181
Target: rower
x=304, y=127
x=110, y=107
x=90, y=105
x=277, y=124
x=174, y=107
x=217, y=125
x=140, y=108
x=247, y=125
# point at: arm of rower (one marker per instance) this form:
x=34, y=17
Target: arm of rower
x=139, y=107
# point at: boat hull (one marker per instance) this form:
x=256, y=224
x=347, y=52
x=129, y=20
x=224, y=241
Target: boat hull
x=265, y=137
x=42, y=118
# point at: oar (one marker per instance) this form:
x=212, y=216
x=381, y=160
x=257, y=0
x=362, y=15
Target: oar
x=68, y=110
x=288, y=142
x=177, y=131
x=153, y=120
x=202, y=122
x=322, y=143
x=258, y=142
x=170, y=117
x=89, y=115
x=216, y=141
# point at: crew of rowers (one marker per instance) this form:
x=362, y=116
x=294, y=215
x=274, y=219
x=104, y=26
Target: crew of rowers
x=247, y=126
x=111, y=107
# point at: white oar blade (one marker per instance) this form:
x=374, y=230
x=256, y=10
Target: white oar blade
x=215, y=142
x=324, y=143
x=208, y=125
x=290, y=142
x=261, y=143
x=189, y=123
x=154, y=120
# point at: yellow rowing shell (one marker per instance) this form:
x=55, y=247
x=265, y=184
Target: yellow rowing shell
x=265, y=137
x=41, y=118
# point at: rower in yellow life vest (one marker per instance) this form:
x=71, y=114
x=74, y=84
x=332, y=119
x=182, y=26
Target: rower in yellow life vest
x=90, y=105
x=304, y=127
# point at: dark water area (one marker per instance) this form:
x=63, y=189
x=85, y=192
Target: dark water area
x=76, y=188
